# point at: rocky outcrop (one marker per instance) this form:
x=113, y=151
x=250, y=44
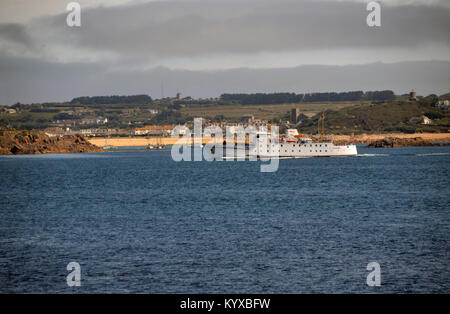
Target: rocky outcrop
x=403, y=142
x=14, y=142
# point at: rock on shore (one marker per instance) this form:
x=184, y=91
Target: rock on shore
x=402, y=142
x=14, y=142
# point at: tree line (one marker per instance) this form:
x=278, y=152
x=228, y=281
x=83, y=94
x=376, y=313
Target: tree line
x=281, y=98
x=100, y=100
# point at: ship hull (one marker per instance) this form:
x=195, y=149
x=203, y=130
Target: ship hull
x=302, y=150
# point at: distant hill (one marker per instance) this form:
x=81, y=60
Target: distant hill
x=396, y=116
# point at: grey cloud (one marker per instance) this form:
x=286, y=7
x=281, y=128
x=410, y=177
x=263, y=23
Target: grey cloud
x=33, y=81
x=204, y=27
x=139, y=34
x=248, y=26
x=15, y=33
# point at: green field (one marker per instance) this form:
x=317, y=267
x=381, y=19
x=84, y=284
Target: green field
x=266, y=112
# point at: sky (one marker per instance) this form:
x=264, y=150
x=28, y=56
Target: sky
x=203, y=48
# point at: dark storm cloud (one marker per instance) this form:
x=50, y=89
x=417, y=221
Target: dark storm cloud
x=15, y=33
x=198, y=27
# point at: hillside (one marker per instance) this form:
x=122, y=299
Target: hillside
x=127, y=112
x=382, y=117
x=121, y=114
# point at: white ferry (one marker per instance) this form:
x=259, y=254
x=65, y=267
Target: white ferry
x=295, y=145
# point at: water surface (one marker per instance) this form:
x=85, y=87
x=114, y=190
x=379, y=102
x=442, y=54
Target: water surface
x=140, y=222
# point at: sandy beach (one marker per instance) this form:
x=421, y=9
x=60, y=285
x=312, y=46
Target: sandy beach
x=140, y=141
x=357, y=139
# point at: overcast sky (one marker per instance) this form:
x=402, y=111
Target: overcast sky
x=205, y=47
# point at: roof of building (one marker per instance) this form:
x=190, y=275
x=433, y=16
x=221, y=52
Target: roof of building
x=156, y=127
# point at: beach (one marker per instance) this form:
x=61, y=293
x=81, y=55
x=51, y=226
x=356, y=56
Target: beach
x=339, y=139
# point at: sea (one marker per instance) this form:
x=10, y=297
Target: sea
x=139, y=222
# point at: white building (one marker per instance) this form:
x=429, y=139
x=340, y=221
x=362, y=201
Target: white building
x=443, y=104
x=291, y=132
x=9, y=110
x=98, y=120
x=420, y=120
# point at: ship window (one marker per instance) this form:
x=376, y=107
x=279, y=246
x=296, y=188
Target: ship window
x=325, y=150
x=320, y=145
x=310, y=151
x=325, y=145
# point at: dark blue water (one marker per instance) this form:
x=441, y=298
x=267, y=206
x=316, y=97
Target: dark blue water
x=139, y=222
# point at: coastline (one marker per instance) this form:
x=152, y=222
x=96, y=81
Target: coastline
x=426, y=139
x=36, y=142
x=370, y=138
